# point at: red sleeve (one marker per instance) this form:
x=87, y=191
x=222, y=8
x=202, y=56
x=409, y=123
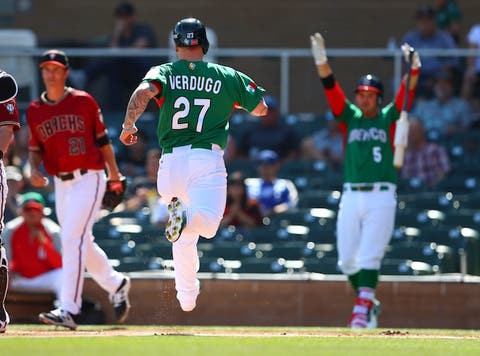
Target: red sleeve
x=158, y=97
x=9, y=114
x=54, y=258
x=33, y=142
x=336, y=99
x=401, y=95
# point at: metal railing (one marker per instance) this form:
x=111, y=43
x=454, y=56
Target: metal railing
x=283, y=54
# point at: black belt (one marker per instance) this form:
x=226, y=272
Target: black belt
x=70, y=176
x=366, y=188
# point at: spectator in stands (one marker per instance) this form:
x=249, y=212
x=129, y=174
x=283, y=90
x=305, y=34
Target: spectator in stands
x=428, y=36
x=446, y=113
x=143, y=193
x=16, y=185
x=34, y=248
x=274, y=195
x=131, y=159
x=424, y=160
x=240, y=211
x=448, y=17
x=122, y=73
x=471, y=80
x=269, y=134
x=326, y=144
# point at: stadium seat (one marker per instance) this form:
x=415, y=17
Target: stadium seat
x=262, y=234
x=443, y=259
x=292, y=250
x=319, y=199
x=225, y=250
x=133, y=264
x=116, y=248
x=327, y=265
x=405, y=267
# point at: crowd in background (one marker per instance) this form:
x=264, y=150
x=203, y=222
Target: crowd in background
x=447, y=107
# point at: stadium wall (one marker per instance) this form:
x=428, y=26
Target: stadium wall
x=412, y=302
x=275, y=300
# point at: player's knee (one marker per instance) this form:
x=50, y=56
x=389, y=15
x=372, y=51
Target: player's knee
x=207, y=223
x=347, y=267
x=210, y=230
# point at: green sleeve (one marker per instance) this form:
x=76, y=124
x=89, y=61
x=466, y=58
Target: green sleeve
x=156, y=74
x=249, y=94
x=390, y=112
x=351, y=112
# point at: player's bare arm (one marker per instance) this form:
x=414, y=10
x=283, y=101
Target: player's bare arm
x=261, y=109
x=113, y=173
x=136, y=106
x=36, y=176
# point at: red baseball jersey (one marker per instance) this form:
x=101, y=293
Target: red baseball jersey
x=9, y=114
x=30, y=256
x=66, y=132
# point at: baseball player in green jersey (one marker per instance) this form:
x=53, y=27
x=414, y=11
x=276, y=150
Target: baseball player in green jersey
x=367, y=208
x=195, y=99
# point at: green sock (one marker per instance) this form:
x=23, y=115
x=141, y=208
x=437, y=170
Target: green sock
x=368, y=278
x=354, y=280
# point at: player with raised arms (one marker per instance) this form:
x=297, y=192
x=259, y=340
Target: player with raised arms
x=367, y=208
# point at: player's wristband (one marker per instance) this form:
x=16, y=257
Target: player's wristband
x=328, y=82
x=131, y=128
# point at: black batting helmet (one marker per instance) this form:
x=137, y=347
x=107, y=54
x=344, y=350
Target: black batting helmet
x=190, y=32
x=370, y=82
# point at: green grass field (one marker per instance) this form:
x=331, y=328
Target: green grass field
x=159, y=340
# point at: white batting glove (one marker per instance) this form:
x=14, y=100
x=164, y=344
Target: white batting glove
x=318, y=49
x=406, y=48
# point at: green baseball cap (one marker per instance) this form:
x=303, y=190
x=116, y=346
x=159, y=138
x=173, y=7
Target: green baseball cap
x=32, y=200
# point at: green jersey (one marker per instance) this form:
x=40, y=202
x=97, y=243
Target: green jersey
x=196, y=101
x=368, y=145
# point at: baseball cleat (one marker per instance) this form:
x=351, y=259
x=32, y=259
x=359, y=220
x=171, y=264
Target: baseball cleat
x=372, y=317
x=4, y=319
x=176, y=220
x=58, y=317
x=120, y=301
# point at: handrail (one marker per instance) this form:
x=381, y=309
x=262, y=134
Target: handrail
x=284, y=55
x=238, y=52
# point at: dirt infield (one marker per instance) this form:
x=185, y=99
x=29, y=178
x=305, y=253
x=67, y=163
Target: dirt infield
x=89, y=331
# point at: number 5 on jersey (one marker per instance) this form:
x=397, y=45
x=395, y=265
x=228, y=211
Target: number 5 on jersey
x=183, y=104
x=377, y=154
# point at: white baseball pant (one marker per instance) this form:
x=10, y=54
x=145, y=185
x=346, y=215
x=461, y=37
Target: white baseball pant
x=77, y=204
x=199, y=179
x=364, y=228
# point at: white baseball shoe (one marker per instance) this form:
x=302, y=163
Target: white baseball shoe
x=58, y=317
x=176, y=220
x=372, y=317
x=120, y=301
